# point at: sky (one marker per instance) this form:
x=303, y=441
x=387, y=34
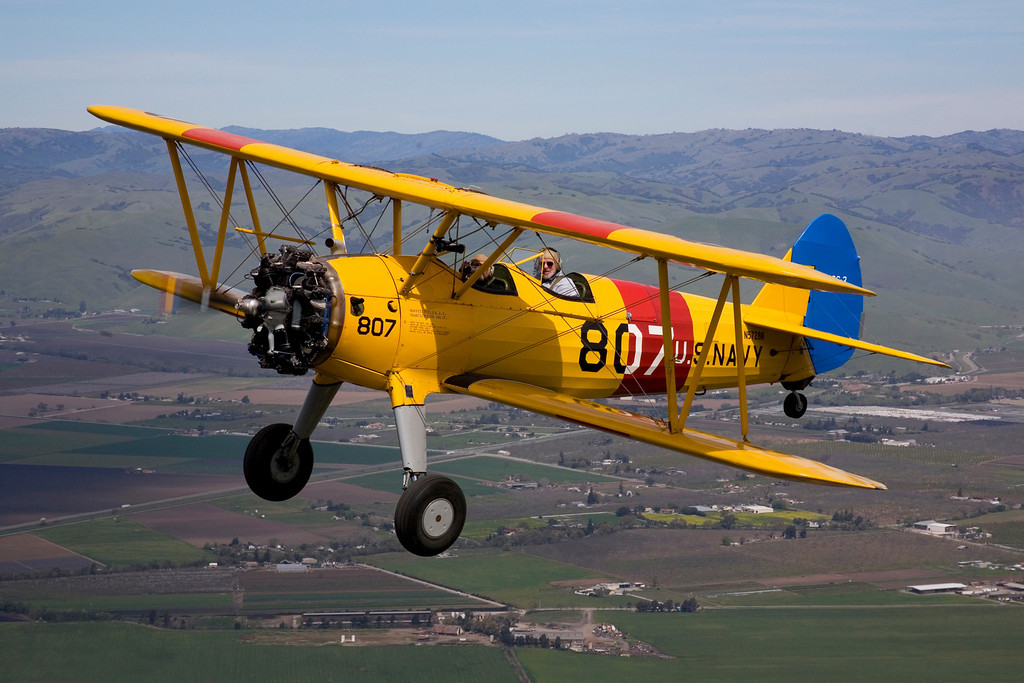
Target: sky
x=520, y=69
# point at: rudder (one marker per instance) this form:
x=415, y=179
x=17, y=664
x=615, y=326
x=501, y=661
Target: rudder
x=826, y=246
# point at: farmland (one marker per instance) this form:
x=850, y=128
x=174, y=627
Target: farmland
x=141, y=495
x=916, y=643
x=210, y=655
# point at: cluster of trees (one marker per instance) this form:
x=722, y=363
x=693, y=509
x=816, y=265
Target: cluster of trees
x=529, y=640
x=53, y=615
x=554, y=532
x=688, y=605
x=500, y=628
x=846, y=520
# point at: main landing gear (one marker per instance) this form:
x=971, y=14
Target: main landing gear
x=277, y=463
x=430, y=515
x=432, y=510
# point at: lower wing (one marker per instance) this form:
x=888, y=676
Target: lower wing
x=656, y=432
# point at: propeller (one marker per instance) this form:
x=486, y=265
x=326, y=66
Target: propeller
x=191, y=288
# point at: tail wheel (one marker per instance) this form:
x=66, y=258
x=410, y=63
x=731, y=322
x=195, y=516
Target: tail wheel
x=795, y=405
x=430, y=515
x=277, y=465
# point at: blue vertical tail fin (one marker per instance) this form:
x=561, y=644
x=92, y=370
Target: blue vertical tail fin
x=825, y=245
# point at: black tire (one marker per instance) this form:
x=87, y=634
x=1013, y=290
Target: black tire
x=270, y=473
x=795, y=405
x=430, y=515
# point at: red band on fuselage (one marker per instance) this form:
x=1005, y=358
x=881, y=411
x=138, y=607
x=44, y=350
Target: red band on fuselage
x=639, y=343
x=219, y=138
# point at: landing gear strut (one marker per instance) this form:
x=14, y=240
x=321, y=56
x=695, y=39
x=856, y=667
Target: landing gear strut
x=277, y=463
x=432, y=510
x=279, y=459
x=430, y=515
x=795, y=405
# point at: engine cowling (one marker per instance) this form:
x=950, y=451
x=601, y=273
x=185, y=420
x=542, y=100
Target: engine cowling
x=289, y=311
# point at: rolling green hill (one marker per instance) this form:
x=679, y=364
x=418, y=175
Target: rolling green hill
x=938, y=221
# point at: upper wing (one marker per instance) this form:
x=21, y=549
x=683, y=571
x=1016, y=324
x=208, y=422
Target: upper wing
x=649, y=430
x=489, y=209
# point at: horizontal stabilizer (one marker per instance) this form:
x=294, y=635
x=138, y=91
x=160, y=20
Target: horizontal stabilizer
x=760, y=317
x=191, y=288
x=656, y=432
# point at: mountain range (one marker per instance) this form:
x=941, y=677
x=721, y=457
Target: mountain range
x=938, y=221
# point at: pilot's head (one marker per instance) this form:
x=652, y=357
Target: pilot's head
x=548, y=264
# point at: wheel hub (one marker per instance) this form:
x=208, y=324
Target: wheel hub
x=438, y=517
x=283, y=467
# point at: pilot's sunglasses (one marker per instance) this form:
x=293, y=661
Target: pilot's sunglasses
x=549, y=263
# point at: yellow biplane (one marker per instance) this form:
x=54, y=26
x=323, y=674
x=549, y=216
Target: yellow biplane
x=415, y=324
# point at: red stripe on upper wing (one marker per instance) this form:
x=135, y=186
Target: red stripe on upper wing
x=580, y=224
x=219, y=138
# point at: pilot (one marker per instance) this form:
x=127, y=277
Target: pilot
x=549, y=270
x=472, y=265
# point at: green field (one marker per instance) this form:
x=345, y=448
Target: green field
x=746, y=520
x=929, y=642
x=121, y=652
x=1007, y=528
x=829, y=595
x=121, y=446
x=122, y=542
x=510, y=577
x=220, y=603
x=926, y=643
x=483, y=528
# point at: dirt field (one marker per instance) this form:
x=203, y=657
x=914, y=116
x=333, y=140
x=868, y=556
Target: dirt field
x=890, y=580
x=692, y=559
x=1006, y=380
x=340, y=492
x=202, y=523
x=24, y=553
x=56, y=491
x=359, y=637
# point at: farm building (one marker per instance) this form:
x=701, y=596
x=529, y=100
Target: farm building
x=389, y=618
x=937, y=588
x=938, y=528
x=291, y=567
x=446, y=630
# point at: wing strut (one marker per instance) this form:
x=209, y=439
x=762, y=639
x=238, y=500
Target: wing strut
x=428, y=251
x=471, y=280
x=337, y=233
x=396, y=227
x=677, y=419
x=190, y=218
x=209, y=278
x=674, y=423
x=261, y=239
x=741, y=357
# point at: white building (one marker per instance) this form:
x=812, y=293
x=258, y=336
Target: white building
x=938, y=528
